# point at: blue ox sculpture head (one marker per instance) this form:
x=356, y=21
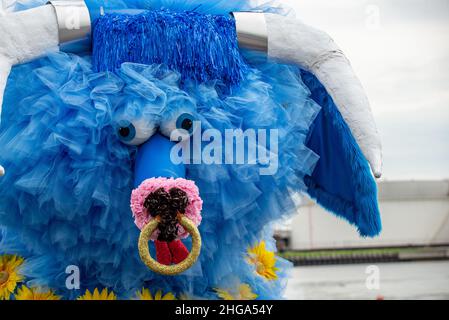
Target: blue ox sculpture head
x=168, y=94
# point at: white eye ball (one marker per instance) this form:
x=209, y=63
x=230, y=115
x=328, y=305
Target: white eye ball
x=135, y=133
x=183, y=124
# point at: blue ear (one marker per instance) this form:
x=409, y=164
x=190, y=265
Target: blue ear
x=342, y=181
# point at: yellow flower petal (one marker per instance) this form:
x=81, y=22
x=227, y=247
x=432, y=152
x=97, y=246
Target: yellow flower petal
x=243, y=292
x=25, y=293
x=223, y=294
x=158, y=295
x=145, y=294
x=169, y=296
x=97, y=295
x=246, y=292
x=9, y=275
x=263, y=260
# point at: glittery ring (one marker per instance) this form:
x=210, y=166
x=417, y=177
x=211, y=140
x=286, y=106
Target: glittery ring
x=175, y=269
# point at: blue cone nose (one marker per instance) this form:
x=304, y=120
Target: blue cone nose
x=153, y=161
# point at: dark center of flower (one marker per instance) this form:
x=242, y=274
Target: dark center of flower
x=4, y=276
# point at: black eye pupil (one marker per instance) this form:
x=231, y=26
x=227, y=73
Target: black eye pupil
x=124, y=132
x=186, y=124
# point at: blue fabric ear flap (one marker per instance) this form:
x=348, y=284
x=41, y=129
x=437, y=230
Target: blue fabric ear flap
x=342, y=181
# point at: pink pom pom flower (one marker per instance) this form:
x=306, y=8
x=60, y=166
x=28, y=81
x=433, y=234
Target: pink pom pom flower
x=141, y=214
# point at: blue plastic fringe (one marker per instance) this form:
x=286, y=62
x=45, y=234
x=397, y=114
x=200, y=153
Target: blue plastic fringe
x=342, y=181
x=200, y=47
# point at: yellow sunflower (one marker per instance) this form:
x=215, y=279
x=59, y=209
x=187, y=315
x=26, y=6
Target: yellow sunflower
x=243, y=292
x=187, y=296
x=9, y=274
x=263, y=260
x=96, y=295
x=25, y=293
x=145, y=294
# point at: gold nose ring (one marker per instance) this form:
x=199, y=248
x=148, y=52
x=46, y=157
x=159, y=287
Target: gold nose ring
x=175, y=269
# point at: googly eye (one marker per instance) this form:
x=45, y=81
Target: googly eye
x=185, y=122
x=134, y=133
x=181, y=125
x=126, y=131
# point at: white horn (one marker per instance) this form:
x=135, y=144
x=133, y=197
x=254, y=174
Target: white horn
x=30, y=34
x=292, y=41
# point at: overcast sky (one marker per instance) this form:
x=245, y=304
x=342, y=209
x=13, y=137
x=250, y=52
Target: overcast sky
x=400, y=50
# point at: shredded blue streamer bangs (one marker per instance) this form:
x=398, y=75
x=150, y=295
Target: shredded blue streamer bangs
x=206, y=45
